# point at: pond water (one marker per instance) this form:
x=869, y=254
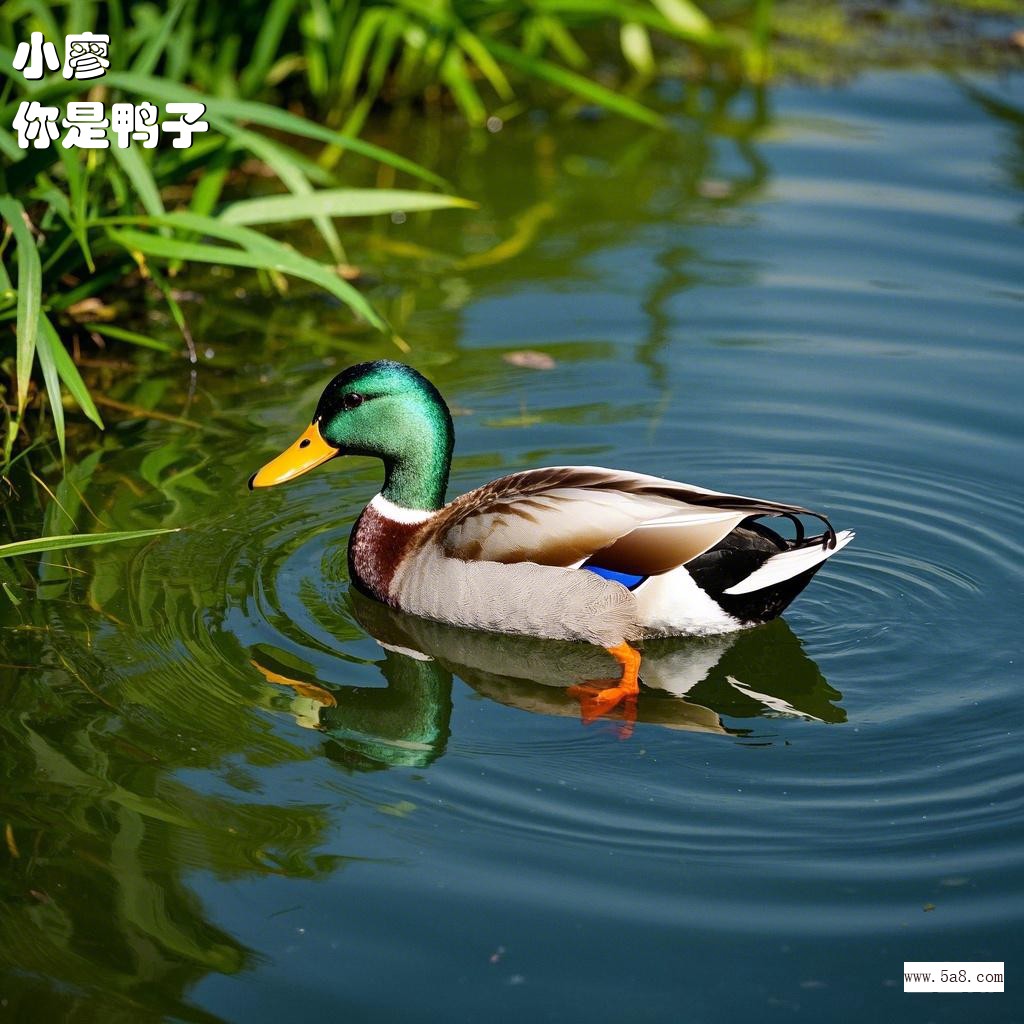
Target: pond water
x=225, y=800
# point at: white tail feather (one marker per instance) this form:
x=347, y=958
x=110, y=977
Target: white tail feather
x=789, y=564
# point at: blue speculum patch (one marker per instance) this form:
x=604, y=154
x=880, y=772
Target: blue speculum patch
x=628, y=580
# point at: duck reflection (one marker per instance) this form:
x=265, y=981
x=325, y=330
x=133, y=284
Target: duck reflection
x=687, y=683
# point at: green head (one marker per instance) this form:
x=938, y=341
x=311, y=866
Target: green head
x=384, y=409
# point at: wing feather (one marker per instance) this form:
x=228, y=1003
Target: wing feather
x=564, y=515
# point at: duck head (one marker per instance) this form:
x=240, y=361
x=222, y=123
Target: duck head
x=383, y=409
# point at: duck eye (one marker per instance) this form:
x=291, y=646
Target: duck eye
x=350, y=401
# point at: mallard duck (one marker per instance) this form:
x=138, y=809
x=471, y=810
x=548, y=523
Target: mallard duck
x=600, y=556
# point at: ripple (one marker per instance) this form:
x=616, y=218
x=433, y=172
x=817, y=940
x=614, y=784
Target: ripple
x=919, y=558
x=841, y=805
x=918, y=566
x=714, y=831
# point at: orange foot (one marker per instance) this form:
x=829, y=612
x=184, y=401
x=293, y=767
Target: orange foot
x=596, y=700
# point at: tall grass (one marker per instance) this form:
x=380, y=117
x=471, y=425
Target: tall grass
x=77, y=223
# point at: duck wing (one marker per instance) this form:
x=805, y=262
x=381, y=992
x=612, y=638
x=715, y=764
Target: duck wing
x=567, y=515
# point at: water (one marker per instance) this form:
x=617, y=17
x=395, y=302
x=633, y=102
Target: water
x=814, y=297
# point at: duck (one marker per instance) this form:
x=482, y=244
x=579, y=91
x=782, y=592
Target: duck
x=583, y=554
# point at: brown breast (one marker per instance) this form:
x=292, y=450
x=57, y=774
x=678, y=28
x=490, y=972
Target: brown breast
x=375, y=549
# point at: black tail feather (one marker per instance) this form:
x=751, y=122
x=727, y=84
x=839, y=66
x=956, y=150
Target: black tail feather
x=741, y=553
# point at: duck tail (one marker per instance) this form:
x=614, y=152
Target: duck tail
x=794, y=561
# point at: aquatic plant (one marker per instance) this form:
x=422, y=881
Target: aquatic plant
x=78, y=223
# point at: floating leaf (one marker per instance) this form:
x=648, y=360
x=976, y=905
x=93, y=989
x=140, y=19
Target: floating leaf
x=401, y=809
x=530, y=359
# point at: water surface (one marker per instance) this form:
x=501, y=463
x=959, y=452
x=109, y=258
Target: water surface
x=226, y=800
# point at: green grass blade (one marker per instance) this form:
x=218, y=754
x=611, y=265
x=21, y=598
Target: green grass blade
x=259, y=144
x=266, y=116
x=354, y=64
x=636, y=47
x=475, y=50
x=92, y=285
x=582, y=87
x=269, y=256
x=43, y=14
x=178, y=52
x=456, y=77
x=387, y=42
x=337, y=202
x=177, y=313
x=182, y=249
x=10, y=148
x=139, y=174
x=295, y=180
x=697, y=30
x=149, y=56
x=76, y=540
x=759, y=59
x=315, y=39
x=685, y=15
x=78, y=192
x=73, y=382
x=266, y=49
x=30, y=284
x=132, y=337
x=561, y=40
x=56, y=201
x=46, y=340
x=207, y=192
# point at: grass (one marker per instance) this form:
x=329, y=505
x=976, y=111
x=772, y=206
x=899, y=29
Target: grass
x=75, y=540
x=77, y=224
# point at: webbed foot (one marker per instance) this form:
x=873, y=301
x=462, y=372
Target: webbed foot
x=597, y=701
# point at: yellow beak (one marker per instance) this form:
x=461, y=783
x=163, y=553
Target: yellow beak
x=308, y=452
